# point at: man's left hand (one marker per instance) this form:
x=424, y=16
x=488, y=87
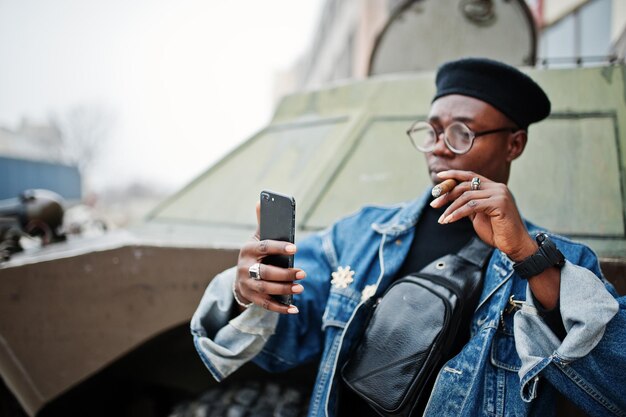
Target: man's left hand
x=492, y=210
x=495, y=217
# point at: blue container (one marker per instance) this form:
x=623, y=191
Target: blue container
x=17, y=175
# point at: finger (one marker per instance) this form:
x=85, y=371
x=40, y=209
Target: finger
x=472, y=207
x=458, y=191
x=276, y=273
x=268, y=303
x=260, y=249
x=257, y=234
x=464, y=199
x=260, y=286
x=459, y=175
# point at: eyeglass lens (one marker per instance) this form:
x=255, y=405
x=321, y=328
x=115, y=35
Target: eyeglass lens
x=458, y=137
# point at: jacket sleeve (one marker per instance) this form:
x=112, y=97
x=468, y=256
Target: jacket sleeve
x=225, y=344
x=587, y=366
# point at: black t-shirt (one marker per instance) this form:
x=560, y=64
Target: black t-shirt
x=430, y=242
x=433, y=240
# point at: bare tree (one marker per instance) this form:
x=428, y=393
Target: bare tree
x=84, y=129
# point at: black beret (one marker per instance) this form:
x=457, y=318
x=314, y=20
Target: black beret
x=504, y=87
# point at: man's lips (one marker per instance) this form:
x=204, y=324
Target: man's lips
x=438, y=169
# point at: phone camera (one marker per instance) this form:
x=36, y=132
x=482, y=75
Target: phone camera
x=265, y=196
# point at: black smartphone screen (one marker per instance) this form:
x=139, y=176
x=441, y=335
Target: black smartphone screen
x=278, y=222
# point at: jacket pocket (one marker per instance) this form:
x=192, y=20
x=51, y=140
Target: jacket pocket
x=341, y=304
x=503, y=352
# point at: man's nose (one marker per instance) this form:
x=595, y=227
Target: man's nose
x=441, y=149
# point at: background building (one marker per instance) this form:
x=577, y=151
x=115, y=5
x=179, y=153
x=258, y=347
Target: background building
x=581, y=32
x=568, y=33
x=31, y=157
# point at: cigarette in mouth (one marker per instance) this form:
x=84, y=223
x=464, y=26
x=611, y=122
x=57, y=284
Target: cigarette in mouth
x=443, y=187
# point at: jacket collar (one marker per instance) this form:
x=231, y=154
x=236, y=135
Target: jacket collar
x=405, y=218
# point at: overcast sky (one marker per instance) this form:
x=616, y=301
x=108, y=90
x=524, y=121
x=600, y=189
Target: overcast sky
x=186, y=80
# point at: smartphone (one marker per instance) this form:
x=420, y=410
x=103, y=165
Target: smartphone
x=278, y=222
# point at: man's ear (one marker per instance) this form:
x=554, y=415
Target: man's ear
x=517, y=143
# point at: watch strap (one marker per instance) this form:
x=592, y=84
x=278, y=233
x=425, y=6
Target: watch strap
x=546, y=257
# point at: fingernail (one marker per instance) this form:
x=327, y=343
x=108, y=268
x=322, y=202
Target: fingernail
x=435, y=201
x=300, y=274
x=447, y=219
x=290, y=248
x=440, y=219
x=293, y=309
x=297, y=288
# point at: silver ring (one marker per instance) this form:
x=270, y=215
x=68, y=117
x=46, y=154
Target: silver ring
x=255, y=271
x=475, y=185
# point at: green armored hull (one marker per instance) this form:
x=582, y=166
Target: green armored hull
x=345, y=146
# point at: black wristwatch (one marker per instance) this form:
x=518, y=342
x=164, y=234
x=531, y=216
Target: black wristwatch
x=546, y=257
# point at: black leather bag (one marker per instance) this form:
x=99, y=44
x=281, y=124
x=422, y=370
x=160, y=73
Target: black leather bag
x=412, y=329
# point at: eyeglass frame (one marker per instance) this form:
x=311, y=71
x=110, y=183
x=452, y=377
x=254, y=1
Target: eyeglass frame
x=473, y=135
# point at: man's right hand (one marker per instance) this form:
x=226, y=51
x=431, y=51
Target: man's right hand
x=273, y=280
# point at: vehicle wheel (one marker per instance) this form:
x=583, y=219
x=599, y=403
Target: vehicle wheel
x=246, y=399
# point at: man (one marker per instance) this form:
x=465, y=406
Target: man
x=567, y=336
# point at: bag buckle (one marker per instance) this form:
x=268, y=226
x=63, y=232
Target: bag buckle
x=513, y=305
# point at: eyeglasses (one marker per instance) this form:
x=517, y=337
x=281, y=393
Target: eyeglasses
x=457, y=136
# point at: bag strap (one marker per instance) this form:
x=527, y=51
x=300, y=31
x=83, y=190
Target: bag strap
x=476, y=252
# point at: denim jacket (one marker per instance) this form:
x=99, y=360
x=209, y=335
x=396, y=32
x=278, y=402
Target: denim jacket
x=511, y=365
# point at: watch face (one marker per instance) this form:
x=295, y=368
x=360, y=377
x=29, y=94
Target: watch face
x=541, y=238
x=550, y=251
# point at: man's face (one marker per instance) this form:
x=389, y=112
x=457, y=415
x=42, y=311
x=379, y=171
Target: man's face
x=489, y=154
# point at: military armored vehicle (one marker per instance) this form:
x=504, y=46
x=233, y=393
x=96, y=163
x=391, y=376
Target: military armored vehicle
x=100, y=326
